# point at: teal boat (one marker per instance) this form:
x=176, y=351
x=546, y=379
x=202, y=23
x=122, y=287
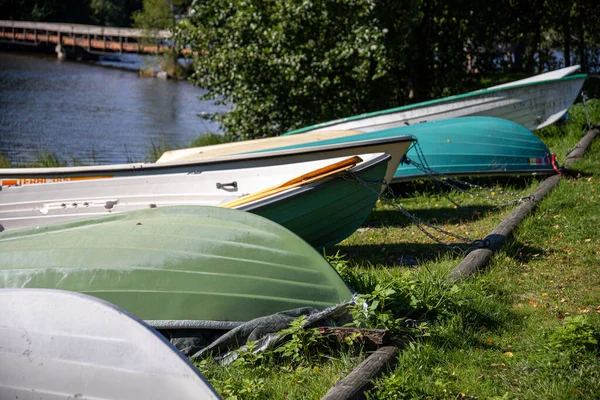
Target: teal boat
x=178, y=267
x=469, y=146
x=473, y=146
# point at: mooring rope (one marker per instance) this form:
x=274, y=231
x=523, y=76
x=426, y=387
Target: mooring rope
x=452, y=182
x=421, y=224
x=585, y=107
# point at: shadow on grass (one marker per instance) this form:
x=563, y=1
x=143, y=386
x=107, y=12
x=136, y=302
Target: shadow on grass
x=522, y=251
x=439, y=215
x=405, y=254
x=407, y=189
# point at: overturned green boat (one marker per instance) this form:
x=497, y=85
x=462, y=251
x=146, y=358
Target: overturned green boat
x=180, y=267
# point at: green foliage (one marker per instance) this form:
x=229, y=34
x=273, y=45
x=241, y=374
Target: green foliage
x=46, y=160
x=102, y=12
x=288, y=64
x=373, y=311
x=577, y=335
x=109, y=12
x=4, y=161
x=300, y=341
x=431, y=293
x=285, y=63
x=245, y=388
x=271, y=374
x=240, y=380
x=157, y=150
x=156, y=14
x=209, y=139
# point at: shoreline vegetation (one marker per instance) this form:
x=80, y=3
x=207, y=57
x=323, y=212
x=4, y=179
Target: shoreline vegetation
x=527, y=327
x=166, y=66
x=50, y=160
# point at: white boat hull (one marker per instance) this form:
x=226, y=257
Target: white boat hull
x=534, y=106
x=64, y=345
x=547, y=76
x=32, y=205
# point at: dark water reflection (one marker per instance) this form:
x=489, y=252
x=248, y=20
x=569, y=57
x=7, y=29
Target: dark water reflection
x=93, y=114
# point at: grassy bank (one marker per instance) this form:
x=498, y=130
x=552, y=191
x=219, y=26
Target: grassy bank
x=526, y=328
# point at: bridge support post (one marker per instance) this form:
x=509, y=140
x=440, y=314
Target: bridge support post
x=61, y=53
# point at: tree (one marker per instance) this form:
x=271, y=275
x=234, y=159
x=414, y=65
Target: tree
x=158, y=14
x=283, y=64
x=113, y=12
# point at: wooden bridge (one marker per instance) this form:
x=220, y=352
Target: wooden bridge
x=91, y=38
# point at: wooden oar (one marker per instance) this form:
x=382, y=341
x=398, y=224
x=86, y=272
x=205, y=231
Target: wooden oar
x=309, y=177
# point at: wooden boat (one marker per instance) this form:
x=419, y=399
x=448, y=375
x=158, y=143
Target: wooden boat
x=64, y=345
x=175, y=267
x=77, y=193
x=533, y=102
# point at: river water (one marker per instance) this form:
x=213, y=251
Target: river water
x=92, y=114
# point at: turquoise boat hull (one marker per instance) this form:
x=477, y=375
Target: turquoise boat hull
x=472, y=146
x=468, y=146
x=175, y=267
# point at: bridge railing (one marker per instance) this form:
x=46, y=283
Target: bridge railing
x=79, y=29
x=93, y=38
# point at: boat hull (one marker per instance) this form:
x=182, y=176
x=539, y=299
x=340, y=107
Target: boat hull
x=31, y=205
x=63, y=345
x=326, y=214
x=476, y=146
x=175, y=266
x=471, y=146
x=533, y=104
x=290, y=144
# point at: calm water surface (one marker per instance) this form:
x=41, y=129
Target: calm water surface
x=93, y=114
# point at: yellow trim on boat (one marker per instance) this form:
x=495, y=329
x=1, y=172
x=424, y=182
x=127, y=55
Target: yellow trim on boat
x=304, y=179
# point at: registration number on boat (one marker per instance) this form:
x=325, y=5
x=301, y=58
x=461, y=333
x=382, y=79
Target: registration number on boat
x=35, y=181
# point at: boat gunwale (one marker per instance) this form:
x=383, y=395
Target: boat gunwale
x=252, y=207
x=424, y=176
x=231, y=159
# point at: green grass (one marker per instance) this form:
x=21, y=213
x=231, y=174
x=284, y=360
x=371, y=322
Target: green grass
x=525, y=328
x=528, y=327
x=207, y=139
x=42, y=160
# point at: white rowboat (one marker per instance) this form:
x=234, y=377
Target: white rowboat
x=65, y=345
x=533, y=102
x=54, y=195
